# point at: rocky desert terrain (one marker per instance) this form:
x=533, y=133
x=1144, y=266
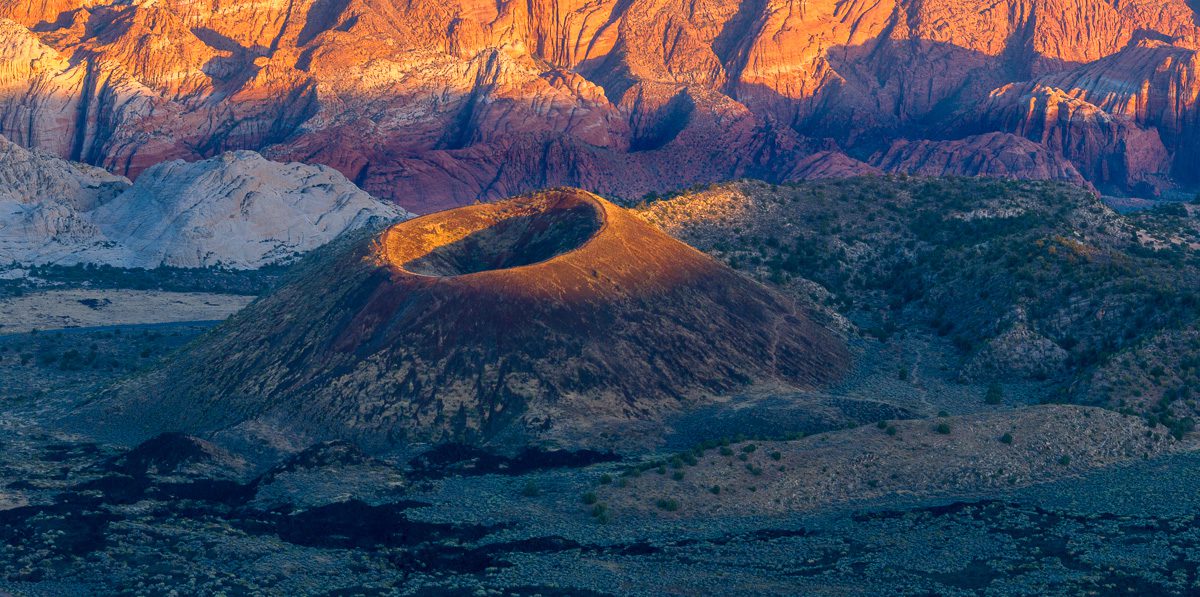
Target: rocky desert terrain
x=994, y=431
x=603, y=297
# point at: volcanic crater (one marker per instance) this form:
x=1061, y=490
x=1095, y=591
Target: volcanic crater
x=556, y=317
x=493, y=237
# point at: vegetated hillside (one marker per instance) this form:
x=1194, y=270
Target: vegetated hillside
x=1032, y=280
x=436, y=104
x=556, y=316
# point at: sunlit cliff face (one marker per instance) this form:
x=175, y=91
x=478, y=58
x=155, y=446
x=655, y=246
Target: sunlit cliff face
x=494, y=237
x=440, y=104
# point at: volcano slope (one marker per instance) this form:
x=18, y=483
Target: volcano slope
x=556, y=316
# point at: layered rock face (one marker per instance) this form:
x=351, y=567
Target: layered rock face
x=237, y=210
x=439, y=103
x=556, y=317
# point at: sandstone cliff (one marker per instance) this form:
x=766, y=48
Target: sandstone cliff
x=435, y=104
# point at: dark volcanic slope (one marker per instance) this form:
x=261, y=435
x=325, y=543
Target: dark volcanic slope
x=557, y=315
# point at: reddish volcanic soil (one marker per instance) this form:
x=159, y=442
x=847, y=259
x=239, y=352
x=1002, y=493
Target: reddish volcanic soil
x=437, y=104
x=557, y=316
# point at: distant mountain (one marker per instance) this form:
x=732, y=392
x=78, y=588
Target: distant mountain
x=435, y=104
x=557, y=317
x=237, y=210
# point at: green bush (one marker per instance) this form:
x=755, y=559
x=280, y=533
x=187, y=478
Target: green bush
x=531, y=489
x=668, y=504
x=589, y=498
x=995, y=395
x=1006, y=438
x=942, y=428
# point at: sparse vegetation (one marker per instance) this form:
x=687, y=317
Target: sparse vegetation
x=531, y=489
x=959, y=257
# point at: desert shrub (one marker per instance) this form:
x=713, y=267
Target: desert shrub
x=589, y=498
x=942, y=428
x=1007, y=438
x=667, y=504
x=531, y=489
x=995, y=394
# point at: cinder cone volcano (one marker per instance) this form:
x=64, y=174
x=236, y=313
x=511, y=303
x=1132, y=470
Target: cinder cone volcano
x=555, y=316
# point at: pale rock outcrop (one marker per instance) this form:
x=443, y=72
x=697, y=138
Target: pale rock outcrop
x=43, y=200
x=238, y=210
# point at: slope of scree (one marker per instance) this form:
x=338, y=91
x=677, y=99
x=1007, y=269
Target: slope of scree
x=556, y=316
